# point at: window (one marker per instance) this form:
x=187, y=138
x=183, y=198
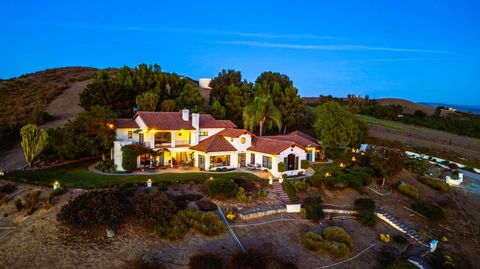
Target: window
x=243, y=140
x=219, y=160
x=203, y=133
x=252, y=158
x=267, y=162
x=130, y=134
x=162, y=138
x=141, y=138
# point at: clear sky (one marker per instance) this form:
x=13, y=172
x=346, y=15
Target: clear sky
x=419, y=50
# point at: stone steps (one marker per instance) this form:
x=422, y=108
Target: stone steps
x=278, y=190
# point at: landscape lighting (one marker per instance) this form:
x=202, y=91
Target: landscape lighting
x=56, y=185
x=149, y=183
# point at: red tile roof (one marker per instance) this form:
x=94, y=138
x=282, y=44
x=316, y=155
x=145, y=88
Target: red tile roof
x=304, y=135
x=125, y=123
x=174, y=121
x=295, y=138
x=270, y=145
x=215, y=143
x=208, y=121
x=230, y=132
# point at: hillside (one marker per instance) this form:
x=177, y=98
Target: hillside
x=31, y=93
x=408, y=106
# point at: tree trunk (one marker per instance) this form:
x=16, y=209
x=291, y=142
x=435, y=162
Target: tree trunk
x=262, y=122
x=284, y=129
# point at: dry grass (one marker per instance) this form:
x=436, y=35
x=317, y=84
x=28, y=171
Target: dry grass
x=30, y=93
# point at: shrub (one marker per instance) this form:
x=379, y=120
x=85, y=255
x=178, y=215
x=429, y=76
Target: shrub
x=157, y=208
x=313, y=208
x=106, y=166
x=453, y=165
x=129, y=155
x=224, y=188
x=281, y=167
x=290, y=190
x=312, y=241
x=299, y=185
x=409, y=190
x=31, y=201
x=242, y=197
x=430, y=211
x=206, y=205
x=40, y=118
x=338, y=234
x=250, y=259
x=365, y=169
x=95, y=207
x=247, y=184
x=206, y=261
x=304, y=164
x=7, y=188
x=401, y=264
x=316, y=242
x=366, y=208
x=418, y=165
x=434, y=183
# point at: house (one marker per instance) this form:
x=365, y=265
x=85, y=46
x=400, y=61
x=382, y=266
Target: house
x=200, y=140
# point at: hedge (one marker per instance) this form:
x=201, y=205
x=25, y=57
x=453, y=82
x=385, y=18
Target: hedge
x=434, y=183
x=281, y=167
x=130, y=154
x=304, y=164
x=409, y=190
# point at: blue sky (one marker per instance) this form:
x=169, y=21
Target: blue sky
x=419, y=50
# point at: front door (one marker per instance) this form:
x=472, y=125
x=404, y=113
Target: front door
x=161, y=159
x=242, y=159
x=291, y=162
x=201, y=162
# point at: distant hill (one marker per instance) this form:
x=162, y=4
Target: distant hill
x=475, y=109
x=408, y=106
x=30, y=93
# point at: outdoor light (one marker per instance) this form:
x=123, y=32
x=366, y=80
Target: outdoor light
x=1, y=173
x=56, y=185
x=342, y=165
x=327, y=174
x=211, y=178
x=110, y=125
x=363, y=153
x=270, y=180
x=149, y=183
x=354, y=159
x=353, y=150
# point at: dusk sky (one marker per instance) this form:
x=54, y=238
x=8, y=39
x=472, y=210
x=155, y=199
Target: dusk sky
x=418, y=50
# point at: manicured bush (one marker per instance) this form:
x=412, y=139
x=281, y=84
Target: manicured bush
x=299, y=185
x=95, y=207
x=290, y=190
x=241, y=196
x=106, y=166
x=206, y=205
x=312, y=241
x=206, y=261
x=418, y=165
x=433, y=183
x=281, y=167
x=408, y=190
x=304, y=164
x=430, y=211
x=338, y=234
x=313, y=208
x=337, y=249
x=222, y=188
x=156, y=207
x=366, y=208
x=250, y=259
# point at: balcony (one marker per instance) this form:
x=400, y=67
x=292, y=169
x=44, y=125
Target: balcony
x=182, y=143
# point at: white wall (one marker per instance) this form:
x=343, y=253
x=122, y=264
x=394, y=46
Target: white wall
x=211, y=131
x=122, y=134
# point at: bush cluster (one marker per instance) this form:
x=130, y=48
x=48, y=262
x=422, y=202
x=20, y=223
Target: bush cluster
x=222, y=188
x=313, y=208
x=299, y=185
x=205, y=223
x=304, y=164
x=366, y=209
x=430, y=211
x=333, y=240
x=408, y=190
x=290, y=190
x=316, y=180
x=156, y=207
x=106, y=166
x=281, y=167
x=418, y=165
x=95, y=207
x=354, y=178
x=433, y=183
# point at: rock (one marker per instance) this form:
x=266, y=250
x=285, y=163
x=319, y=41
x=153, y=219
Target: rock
x=110, y=232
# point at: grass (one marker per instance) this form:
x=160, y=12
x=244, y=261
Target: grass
x=78, y=176
x=386, y=123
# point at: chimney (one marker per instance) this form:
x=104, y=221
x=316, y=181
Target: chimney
x=196, y=121
x=185, y=115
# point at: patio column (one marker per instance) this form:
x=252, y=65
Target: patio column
x=313, y=155
x=173, y=139
x=152, y=139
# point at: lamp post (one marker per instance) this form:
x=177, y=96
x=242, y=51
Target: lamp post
x=149, y=183
x=56, y=185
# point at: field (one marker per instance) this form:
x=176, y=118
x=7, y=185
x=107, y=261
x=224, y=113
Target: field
x=420, y=137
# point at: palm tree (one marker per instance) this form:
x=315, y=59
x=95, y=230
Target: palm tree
x=261, y=111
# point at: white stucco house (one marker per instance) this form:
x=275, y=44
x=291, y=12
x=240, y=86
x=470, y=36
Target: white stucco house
x=184, y=138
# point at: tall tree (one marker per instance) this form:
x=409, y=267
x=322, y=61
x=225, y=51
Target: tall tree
x=147, y=101
x=336, y=126
x=33, y=142
x=218, y=111
x=236, y=99
x=262, y=112
x=284, y=95
x=191, y=98
x=168, y=105
x=220, y=84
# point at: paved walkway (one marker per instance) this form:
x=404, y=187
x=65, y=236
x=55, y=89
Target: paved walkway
x=278, y=190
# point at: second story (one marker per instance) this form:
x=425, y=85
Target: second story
x=169, y=129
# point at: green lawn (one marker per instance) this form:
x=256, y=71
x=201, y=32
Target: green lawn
x=78, y=176
x=386, y=123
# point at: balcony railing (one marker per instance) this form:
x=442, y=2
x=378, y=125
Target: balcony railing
x=182, y=143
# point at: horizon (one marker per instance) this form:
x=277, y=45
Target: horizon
x=423, y=52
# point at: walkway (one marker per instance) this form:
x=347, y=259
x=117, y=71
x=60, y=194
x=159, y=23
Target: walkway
x=278, y=190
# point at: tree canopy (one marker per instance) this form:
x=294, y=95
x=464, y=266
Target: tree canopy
x=33, y=142
x=147, y=101
x=336, y=126
x=262, y=112
x=220, y=84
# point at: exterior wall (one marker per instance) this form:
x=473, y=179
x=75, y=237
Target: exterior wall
x=302, y=155
x=236, y=142
x=122, y=134
x=211, y=131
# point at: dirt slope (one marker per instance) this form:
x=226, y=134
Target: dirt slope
x=408, y=106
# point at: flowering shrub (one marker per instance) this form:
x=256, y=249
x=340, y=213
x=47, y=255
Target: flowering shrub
x=385, y=238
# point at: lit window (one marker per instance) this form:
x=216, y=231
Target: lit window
x=203, y=133
x=243, y=140
x=130, y=134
